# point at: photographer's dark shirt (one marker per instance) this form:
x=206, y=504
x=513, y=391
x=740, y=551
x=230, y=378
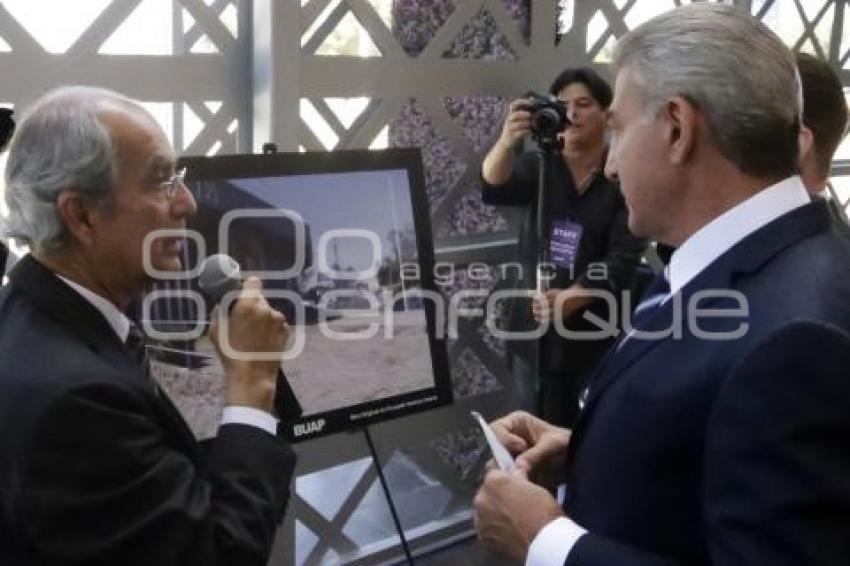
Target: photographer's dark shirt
x=601, y=212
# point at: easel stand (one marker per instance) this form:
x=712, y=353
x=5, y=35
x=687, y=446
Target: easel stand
x=368, y=436
x=548, y=147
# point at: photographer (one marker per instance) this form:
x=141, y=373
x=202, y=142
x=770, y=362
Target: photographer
x=587, y=225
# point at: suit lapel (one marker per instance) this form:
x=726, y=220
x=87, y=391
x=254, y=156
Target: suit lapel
x=175, y=422
x=626, y=352
x=669, y=321
x=747, y=256
x=60, y=302
x=66, y=306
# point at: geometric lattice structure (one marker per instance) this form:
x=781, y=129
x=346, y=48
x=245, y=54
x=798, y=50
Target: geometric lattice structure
x=185, y=58
x=224, y=76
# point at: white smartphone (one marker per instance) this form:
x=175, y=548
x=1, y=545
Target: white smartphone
x=500, y=453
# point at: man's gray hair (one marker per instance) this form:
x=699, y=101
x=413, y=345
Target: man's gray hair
x=734, y=69
x=60, y=144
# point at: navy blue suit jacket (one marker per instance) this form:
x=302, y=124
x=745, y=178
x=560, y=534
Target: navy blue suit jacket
x=4, y=257
x=97, y=467
x=733, y=452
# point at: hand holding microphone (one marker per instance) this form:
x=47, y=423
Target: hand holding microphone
x=252, y=326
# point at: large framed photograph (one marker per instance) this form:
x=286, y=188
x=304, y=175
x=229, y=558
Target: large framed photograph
x=342, y=242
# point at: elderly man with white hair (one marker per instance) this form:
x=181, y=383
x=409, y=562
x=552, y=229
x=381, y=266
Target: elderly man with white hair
x=96, y=464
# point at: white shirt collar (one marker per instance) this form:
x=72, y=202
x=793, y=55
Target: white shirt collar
x=116, y=319
x=718, y=236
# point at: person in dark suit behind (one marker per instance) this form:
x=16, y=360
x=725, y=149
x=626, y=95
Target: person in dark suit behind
x=694, y=447
x=96, y=465
x=824, y=119
x=824, y=126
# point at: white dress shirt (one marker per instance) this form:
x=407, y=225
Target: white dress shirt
x=232, y=414
x=554, y=542
x=11, y=260
x=719, y=235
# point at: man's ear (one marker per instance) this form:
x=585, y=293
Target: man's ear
x=680, y=117
x=805, y=139
x=76, y=215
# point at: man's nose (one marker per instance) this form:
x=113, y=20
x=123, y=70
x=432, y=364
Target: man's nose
x=184, y=201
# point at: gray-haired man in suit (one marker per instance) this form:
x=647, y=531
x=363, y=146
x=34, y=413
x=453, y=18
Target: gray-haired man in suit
x=96, y=464
x=722, y=439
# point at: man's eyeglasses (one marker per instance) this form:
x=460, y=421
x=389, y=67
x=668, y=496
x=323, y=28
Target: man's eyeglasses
x=173, y=184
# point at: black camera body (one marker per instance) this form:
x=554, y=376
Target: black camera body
x=7, y=126
x=548, y=118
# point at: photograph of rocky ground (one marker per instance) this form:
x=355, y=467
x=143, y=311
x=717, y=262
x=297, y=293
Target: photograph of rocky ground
x=329, y=373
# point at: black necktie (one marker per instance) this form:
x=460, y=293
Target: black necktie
x=136, y=346
x=136, y=343
x=652, y=299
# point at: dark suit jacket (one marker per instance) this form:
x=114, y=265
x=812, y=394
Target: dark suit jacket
x=735, y=452
x=4, y=256
x=96, y=467
x=839, y=218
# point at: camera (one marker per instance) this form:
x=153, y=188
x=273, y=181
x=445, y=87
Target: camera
x=7, y=126
x=548, y=118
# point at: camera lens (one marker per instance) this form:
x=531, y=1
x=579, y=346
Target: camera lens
x=546, y=121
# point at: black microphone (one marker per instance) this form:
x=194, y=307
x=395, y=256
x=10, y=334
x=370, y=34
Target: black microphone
x=221, y=274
